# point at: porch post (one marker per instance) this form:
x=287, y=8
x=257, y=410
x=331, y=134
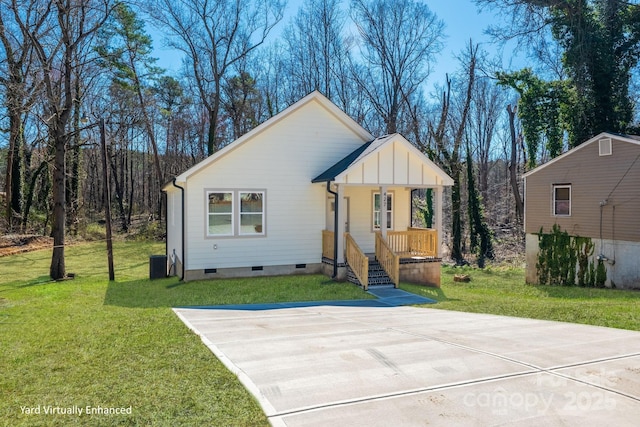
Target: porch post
x=339, y=225
x=383, y=210
x=437, y=195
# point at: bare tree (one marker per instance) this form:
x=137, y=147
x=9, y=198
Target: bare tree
x=214, y=35
x=318, y=52
x=399, y=39
x=486, y=105
x=20, y=92
x=61, y=48
x=125, y=49
x=448, y=136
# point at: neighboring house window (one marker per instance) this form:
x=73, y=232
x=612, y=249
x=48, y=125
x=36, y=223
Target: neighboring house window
x=251, y=213
x=220, y=213
x=377, y=210
x=562, y=200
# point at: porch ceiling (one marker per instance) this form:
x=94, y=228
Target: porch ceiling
x=388, y=160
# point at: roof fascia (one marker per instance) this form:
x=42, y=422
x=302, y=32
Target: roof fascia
x=583, y=145
x=446, y=179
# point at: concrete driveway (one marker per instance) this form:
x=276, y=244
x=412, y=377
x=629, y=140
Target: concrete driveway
x=367, y=364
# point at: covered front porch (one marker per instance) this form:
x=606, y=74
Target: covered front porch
x=369, y=219
x=408, y=256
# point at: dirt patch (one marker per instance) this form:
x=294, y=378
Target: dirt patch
x=18, y=243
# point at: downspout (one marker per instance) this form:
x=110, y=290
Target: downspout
x=182, y=225
x=166, y=225
x=335, y=228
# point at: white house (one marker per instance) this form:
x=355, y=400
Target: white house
x=266, y=203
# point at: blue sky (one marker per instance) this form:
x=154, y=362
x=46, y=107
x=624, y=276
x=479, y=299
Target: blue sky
x=462, y=22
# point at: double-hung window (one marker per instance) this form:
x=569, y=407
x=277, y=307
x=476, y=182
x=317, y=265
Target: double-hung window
x=235, y=213
x=379, y=210
x=562, y=200
x=220, y=213
x=251, y=213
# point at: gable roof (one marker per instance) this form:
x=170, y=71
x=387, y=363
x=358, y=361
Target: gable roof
x=633, y=139
x=335, y=170
x=312, y=97
x=366, y=160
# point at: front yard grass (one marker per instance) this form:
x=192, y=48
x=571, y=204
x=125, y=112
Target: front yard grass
x=503, y=291
x=88, y=342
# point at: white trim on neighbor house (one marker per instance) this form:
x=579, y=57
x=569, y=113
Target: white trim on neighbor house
x=598, y=137
x=565, y=204
x=605, y=147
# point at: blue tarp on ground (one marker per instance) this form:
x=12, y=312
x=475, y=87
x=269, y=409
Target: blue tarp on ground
x=386, y=297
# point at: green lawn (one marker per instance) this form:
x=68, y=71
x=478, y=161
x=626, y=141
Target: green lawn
x=503, y=291
x=88, y=342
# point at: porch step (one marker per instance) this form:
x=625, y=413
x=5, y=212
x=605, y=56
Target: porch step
x=377, y=276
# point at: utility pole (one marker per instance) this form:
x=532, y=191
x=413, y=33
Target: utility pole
x=107, y=199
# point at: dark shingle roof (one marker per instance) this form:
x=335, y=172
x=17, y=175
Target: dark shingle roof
x=335, y=170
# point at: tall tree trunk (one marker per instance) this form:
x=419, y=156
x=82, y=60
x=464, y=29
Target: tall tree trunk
x=513, y=166
x=57, y=269
x=450, y=156
x=119, y=193
x=456, y=216
x=30, y=193
x=14, y=174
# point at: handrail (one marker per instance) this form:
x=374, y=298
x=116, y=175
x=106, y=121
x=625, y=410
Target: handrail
x=388, y=259
x=357, y=260
x=414, y=242
x=327, y=244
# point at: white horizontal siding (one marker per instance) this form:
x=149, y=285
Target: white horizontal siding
x=174, y=226
x=282, y=161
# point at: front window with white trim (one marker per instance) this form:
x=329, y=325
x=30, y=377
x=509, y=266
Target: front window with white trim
x=220, y=213
x=377, y=211
x=251, y=213
x=562, y=200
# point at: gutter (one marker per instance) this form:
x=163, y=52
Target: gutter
x=182, y=225
x=335, y=234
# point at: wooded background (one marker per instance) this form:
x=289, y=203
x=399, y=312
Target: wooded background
x=67, y=64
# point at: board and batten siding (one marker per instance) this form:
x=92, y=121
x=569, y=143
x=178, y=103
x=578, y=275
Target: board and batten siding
x=594, y=179
x=393, y=164
x=281, y=160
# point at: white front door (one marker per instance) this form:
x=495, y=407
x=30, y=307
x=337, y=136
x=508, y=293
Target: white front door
x=331, y=214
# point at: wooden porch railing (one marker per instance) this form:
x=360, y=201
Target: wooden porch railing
x=414, y=242
x=388, y=259
x=357, y=260
x=327, y=244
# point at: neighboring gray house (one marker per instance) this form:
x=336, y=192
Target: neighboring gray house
x=307, y=191
x=590, y=191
